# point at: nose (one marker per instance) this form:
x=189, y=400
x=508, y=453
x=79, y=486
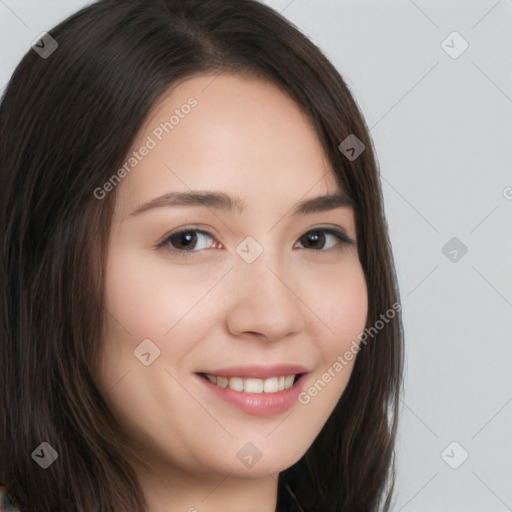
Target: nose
x=264, y=301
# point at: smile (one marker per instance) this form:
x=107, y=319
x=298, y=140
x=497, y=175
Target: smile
x=258, y=390
x=253, y=385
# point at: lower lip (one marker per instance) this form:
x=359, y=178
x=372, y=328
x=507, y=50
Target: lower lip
x=259, y=404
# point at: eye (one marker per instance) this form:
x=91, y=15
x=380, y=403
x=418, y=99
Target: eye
x=324, y=239
x=188, y=240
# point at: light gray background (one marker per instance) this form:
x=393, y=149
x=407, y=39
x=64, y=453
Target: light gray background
x=442, y=129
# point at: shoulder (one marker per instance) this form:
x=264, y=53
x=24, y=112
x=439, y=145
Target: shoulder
x=6, y=503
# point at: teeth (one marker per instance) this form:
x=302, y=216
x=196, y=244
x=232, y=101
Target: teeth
x=288, y=381
x=251, y=385
x=222, y=382
x=236, y=384
x=271, y=385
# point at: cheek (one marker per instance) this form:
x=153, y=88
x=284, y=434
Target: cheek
x=145, y=299
x=340, y=304
x=148, y=297
x=341, y=308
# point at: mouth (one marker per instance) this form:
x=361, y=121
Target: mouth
x=252, y=384
x=256, y=390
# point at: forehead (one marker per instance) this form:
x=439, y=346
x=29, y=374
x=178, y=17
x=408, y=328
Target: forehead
x=228, y=132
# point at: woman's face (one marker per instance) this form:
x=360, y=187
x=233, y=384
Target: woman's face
x=257, y=287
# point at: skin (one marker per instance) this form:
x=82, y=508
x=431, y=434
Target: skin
x=298, y=302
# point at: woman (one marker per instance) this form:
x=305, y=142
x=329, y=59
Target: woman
x=200, y=309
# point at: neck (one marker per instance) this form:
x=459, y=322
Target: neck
x=182, y=492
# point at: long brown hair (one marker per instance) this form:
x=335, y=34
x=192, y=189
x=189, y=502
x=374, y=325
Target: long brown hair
x=66, y=122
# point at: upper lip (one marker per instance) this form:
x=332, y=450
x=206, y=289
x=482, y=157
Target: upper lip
x=258, y=371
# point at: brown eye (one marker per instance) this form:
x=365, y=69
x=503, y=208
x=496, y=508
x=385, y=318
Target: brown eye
x=319, y=239
x=313, y=240
x=190, y=240
x=183, y=240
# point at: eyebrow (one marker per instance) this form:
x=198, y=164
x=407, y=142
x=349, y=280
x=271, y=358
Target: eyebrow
x=222, y=201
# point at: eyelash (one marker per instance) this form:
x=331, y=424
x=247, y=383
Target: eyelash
x=165, y=243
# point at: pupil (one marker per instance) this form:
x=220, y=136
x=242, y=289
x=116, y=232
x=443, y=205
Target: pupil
x=315, y=237
x=187, y=239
